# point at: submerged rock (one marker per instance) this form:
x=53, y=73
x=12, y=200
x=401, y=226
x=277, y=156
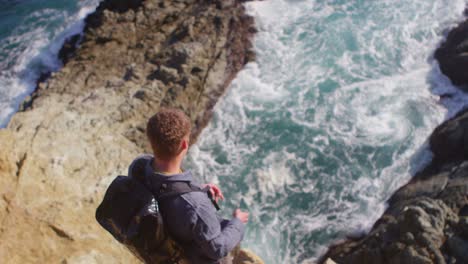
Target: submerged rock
x=85, y=123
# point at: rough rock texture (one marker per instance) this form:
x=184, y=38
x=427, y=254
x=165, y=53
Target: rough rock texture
x=453, y=55
x=245, y=256
x=85, y=123
x=450, y=141
x=427, y=219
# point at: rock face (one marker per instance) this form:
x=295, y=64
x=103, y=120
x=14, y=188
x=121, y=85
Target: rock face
x=85, y=123
x=424, y=223
x=453, y=55
x=449, y=142
x=427, y=219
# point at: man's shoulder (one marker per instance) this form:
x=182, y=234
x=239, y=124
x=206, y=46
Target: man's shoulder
x=201, y=205
x=195, y=209
x=194, y=203
x=197, y=200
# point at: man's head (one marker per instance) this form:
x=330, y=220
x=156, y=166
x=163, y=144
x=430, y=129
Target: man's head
x=168, y=132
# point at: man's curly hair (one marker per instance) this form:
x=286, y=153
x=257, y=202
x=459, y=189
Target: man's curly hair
x=165, y=131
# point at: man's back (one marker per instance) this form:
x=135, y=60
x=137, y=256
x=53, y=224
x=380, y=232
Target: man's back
x=191, y=218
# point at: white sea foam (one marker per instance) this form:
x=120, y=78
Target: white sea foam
x=315, y=136
x=33, y=49
x=333, y=117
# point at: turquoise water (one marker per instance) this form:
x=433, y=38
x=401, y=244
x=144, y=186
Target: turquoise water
x=316, y=135
x=31, y=34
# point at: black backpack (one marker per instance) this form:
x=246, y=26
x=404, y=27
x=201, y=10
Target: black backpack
x=129, y=211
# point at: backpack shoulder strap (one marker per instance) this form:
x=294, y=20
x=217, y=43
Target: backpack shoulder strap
x=167, y=189
x=172, y=189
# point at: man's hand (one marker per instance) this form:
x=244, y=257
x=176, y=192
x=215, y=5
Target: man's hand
x=215, y=191
x=243, y=216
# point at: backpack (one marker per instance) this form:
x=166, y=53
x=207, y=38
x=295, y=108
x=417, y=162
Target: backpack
x=129, y=211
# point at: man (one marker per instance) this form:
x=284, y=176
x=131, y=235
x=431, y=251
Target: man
x=190, y=218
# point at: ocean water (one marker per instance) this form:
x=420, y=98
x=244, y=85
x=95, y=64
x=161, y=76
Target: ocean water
x=331, y=119
x=31, y=35
x=313, y=137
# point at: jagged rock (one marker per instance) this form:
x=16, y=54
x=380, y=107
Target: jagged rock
x=421, y=215
x=453, y=55
x=415, y=236
x=68, y=48
x=463, y=227
x=426, y=220
x=245, y=256
x=85, y=123
x=449, y=141
x=459, y=248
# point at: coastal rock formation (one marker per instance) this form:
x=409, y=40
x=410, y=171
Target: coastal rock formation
x=427, y=219
x=84, y=124
x=449, y=142
x=426, y=222
x=453, y=55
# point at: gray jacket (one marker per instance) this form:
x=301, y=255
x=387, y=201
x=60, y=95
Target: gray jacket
x=192, y=221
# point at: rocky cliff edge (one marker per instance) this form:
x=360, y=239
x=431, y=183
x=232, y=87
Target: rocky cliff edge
x=84, y=124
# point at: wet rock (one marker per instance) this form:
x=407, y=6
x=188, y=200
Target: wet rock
x=120, y=6
x=449, y=141
x=453, y=55
x=394, y=242
x=463, y=227
x=68, y=48
x=414, y=228
x=426, y=219
x=459, y=248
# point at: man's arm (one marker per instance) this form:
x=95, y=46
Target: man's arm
x=223, y=242
x=216, y=240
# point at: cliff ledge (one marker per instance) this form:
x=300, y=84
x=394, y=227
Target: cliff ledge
x=85, y=123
